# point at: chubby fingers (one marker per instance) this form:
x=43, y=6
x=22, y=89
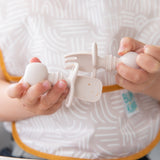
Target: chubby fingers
x=34, y=92
x=56, y=106
x=55, y=98
x=56, y=94
x=153, y=51
x=148, y=63
x=150, y=60
x=129, y=44
x=133, y=87
x=137, y=76
x=139, y=80
x=17, y=90
x=43, y=99
x=135, y=80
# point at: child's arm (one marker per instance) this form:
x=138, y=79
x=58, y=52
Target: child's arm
x=20, y=101
x=145, y=80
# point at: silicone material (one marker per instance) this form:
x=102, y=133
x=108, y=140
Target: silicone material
x=94, y=59
x=85, y=88
x=89, y=62
x=129, y=59
x=90, y=89
x=35, y=72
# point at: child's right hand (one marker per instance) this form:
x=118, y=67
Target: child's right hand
x=42, y=98
x=146, y=79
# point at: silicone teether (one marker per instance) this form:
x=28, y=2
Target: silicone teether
x=35, y=72
x=84, y=88
x=90, y=62
x=129, y=59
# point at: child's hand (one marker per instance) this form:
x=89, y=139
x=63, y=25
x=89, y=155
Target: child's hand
x=145, y=80
x=42, y=98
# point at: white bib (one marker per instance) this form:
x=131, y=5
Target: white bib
x=121, y=124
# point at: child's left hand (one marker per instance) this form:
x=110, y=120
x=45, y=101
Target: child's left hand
x=146, y=79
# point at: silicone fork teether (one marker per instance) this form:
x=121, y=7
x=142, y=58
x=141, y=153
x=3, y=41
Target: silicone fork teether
x=84, y=88
x=89, y=62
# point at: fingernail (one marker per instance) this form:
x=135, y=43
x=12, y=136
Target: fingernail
x=34, y=59
x=61, y=84
x=46, y=84
x=122, y=50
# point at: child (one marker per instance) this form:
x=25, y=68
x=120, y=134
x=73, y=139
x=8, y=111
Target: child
x=125, y=123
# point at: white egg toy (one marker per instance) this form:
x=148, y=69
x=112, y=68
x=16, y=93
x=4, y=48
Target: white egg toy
x=129, y=59
x=35, y=72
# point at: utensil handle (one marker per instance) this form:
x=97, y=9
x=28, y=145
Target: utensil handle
x=108, y=62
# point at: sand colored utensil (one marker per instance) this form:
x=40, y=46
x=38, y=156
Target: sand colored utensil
x=82, y=87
